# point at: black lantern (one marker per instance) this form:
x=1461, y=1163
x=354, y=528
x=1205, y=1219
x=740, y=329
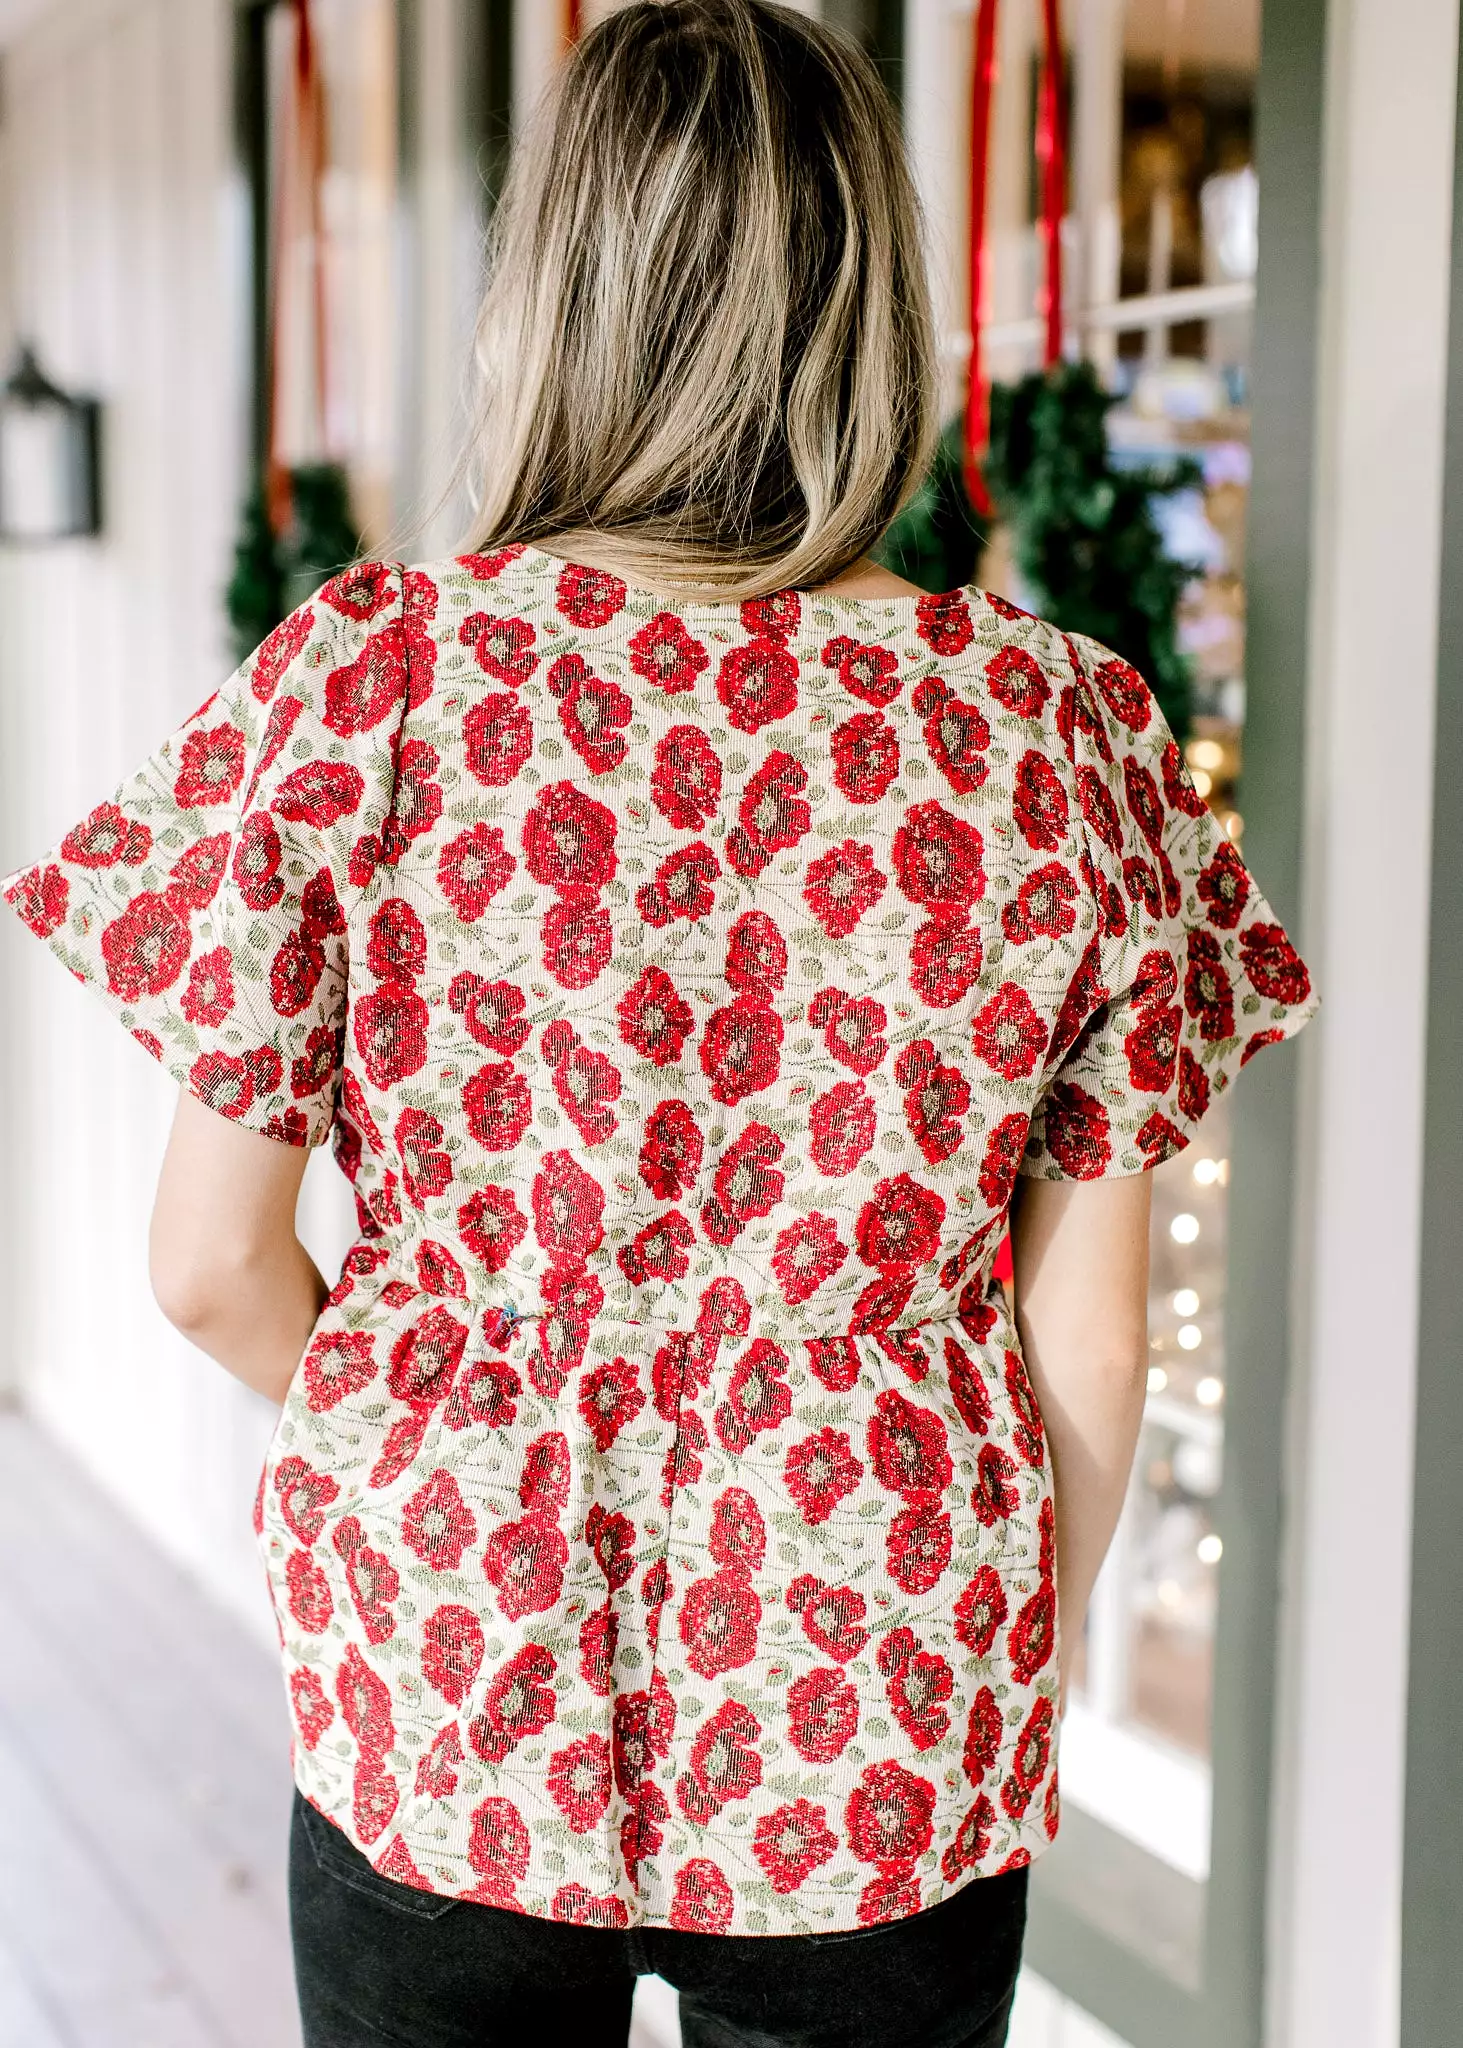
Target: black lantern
x=49, y=469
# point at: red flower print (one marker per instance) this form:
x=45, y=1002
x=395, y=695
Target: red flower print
x=362, y=592
x=1033, y=1633
x=658, y=1250
x=375, y=1795
x=1141, y=792
x=724, y=1763
x=500, y=647
x=771, y=816
x=666, y=655
x=702, y=1901
x=1008, y=1034
x=194, y=877
x=682, y=887
x=968, y=1388
x=304, y=1495
x=491, y=1010
x=807, y=1253
x=569, y=840
x=919, y=1684
x=585, y=1082
x=1208, y=994
x=1142, y=885
x=834, y=1361
x=425, y=1167
x=791, y=1842
x=993, y=1496
x=822, y=1714
x=1077, y=1132
x=937, y=859
x=210, y=767
x=841, y=1125
x=579, y=1783
x=1225, y=887
x=852, y=1028
x=865, y=757
x=1028, y=1434
x=881, y=1301
x=1076, y=713
x=892, y=1895
x=670, y=1158
x=757, y=1395
x=107, y=835
x=544, y=1481
x=498, y=1849
x=598, y=1635
x=1272, y=964
x=319, y=794
x=654, y=1019
x=888, y=1815
x=525, y=1561
x=313, y=1712
x=588, y=597
x=610, y=1397
x=776, y=616
x=612, y=1540
x=497, y=1105
x=900, y=1224
x=740, y=1049
x=424, y=1358
x=365, y=1702
x=1178, y=787
x=567, y=1207
x=492, y=1226
x=145, y=948
x=756, y=957
x=1193, y=1087
x=294, y=973
x=289, y=639
x=578, y=942
x=399, y=1446
x=437, y=1771
x=943, y=622
x=871, y=673
x=209, y=996
x=686, y=784
x=972, y=1840
x=945, y=958
x=438, y=1524
x=907, y=1446
x=1085, y=996
x=819, y=1473
x=485, y=1396
x=497, y=735
x=437, y=1271
x=1039, y=804
x=452, y=1651
x=473, y=868
x=983, y=1736
x=842, y=886
x=1015, y=679
x=980, y=1611
x=757, y=683
x=1126, y=694
x=917, y=1548
x=1152, y=1049
x=833, y=1617
x=310, y=1600
x=417, y=800
x=390, y=1027
x=578, y=1907
x=718, y=1623
x=1099, y=809
x=957, y=735
x=256, y=862
x=738, y=1534
x=936, y=1097
x=1042, y=905
x=361, y=693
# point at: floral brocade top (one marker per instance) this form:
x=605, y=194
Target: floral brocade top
x=659, y=1522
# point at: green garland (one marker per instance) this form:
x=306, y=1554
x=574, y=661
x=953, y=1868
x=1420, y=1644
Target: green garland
x=1083, y=532
x=273, y=573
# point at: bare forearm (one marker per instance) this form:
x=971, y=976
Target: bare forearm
x=254, y=1316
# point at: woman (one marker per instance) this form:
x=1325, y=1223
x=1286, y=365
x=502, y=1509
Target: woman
x=698, y=945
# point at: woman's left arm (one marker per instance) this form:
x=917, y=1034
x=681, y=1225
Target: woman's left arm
x=225, y=1264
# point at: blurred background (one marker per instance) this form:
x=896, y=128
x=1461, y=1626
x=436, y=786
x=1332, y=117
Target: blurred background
x=238, y=271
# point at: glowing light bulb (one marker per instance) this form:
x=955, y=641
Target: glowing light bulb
x=1210, y=1549
x=1184, y=1228
x=1206, y=754
x=1157, y=1379
x=1234, y=825
x=1206, y=1172
x=1209, y=1392
x=1186, y=1302
x=1190, y=1337
x=1202, y=780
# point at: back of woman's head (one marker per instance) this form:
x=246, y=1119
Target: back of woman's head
x=706, y=340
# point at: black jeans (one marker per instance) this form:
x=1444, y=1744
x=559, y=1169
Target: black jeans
x=381, y=1962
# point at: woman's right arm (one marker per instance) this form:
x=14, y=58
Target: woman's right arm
x=1080, y=1250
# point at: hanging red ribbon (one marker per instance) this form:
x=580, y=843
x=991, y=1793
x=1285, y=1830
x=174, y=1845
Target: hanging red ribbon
x=303, y=171
x=1051, y=151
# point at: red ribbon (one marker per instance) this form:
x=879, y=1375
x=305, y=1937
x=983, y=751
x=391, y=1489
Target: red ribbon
x=1051, y=152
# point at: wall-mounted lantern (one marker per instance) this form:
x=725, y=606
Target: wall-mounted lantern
x=50, y=484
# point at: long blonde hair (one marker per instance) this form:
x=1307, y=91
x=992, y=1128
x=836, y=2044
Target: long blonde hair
x=705, y=347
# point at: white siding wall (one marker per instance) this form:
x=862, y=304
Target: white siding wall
x=122, y=219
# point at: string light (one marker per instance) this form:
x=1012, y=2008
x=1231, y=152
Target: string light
x=1210, y=1549
x=1186, y=1302
x=1209, y=1392
x=1206, y=1172
x=1184, y=1228
x=1157, y=1379
x=1190, y=1337
x=1206, y=754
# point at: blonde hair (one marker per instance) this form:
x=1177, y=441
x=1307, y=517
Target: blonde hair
x=705, y=345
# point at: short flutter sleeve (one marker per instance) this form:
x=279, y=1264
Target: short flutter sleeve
x=204, y=899
x=1191, y=973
